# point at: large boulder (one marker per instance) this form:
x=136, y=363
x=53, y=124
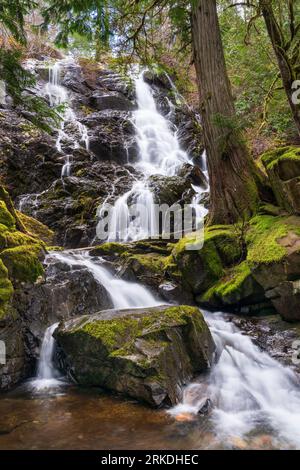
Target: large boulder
x=148, y=354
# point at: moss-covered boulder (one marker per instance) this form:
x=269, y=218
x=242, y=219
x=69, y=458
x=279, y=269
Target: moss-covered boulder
x=201, y=268
x=283, y=168
x=24, y=262
x=148, y=354
x=236, y=290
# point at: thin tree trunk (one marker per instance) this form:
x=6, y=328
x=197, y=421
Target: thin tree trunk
x=287, y=73
x=234, y=194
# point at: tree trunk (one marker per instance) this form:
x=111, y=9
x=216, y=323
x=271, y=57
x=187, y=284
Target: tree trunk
x=234, y=193
x=287, y=73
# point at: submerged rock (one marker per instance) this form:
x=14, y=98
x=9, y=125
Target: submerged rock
x=148, y=354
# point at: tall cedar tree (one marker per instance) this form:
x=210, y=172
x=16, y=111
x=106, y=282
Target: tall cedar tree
x=234, y=193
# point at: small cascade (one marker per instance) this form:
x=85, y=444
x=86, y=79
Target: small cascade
x=66, y=169
x=47, y=375
x=124, y=294
x=71, y=131
x=250, y=392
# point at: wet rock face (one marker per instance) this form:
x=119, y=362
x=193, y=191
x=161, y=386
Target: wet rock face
x=16, y=367
x=69, y=205
x=148, y=354
x=112, y=135
x=171, y=189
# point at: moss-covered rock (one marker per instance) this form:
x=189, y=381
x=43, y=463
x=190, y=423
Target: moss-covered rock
x=236, y=290
x=283, y=168
x=272, y=258
x=201, y=268
x=6, y=217
x=23, y=262
x=36, y=228
x=148, y=354
x=6, y=289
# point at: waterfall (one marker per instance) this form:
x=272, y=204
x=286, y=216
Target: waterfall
x=47, y=375
x=159, y=154
x=45, y=369
x=123, y=294
x=249, y=390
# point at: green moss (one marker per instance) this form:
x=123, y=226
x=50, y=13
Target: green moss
x=17, y=238
x=271, y=158
x=201, y=268
x=152, y=262
x=118, y=335
x=5, y=216
x=230, y=285
x=262, y=239
x=109, y=248
x=6, y=289
x=227, y=242
x=23, y=262
x=269, y=209
x=36, y=228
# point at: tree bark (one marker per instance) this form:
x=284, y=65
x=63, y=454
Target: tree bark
x=287, y=73
x=232, y=173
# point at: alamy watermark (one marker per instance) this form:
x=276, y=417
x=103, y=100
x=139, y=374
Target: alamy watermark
x=296, y=353
x=2, y=353
x=153, y=221
x=296, y=93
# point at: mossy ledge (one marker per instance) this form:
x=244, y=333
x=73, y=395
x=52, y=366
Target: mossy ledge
x=238, y=265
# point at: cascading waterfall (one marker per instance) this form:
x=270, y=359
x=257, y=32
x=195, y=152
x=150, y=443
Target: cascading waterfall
x=250, y=392
x=160, y=154
x=123, y=294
